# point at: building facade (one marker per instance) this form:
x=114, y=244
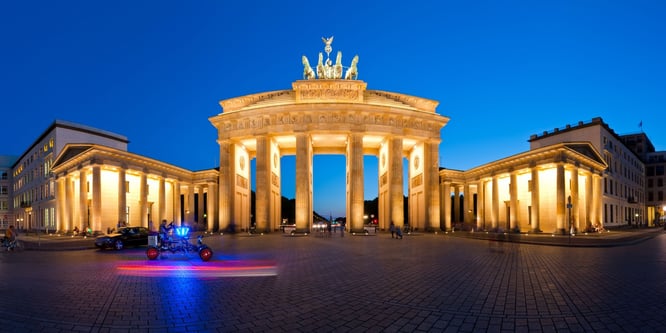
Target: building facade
x=33, y=202
x=655, y=178
x=6, y=215
x=329, y=116
x=623, y=182
x=102, y=188
x=554, y=189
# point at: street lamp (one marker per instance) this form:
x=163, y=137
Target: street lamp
x=569, y=206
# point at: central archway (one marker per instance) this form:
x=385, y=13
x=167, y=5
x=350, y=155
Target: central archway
x=328, y=117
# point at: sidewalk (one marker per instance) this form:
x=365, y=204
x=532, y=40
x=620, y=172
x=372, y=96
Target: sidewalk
x=619, y=237
x=609, y=238
x=43, y=242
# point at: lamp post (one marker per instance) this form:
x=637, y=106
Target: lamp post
x=569, y=206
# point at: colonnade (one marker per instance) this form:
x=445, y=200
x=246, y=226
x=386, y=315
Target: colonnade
x=101, y=190
x=512, y=195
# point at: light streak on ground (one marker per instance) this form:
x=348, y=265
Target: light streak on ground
x=224, y=268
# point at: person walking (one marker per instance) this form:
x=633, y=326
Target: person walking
x=392, y=229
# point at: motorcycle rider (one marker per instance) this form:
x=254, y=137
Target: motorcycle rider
x=164, y=231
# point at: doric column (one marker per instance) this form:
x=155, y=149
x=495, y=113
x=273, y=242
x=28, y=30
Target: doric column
x=560, y=200
x=200, y=205
x=143, y=199
x=589, y=201
x=355, y=182
x=177, y=207
x=83, y=199
x=495, y=204
x=431, y=172
x=597, y=194
x=467, y=205
x=303, y=182
x=211, y=209
x=534, y=212
x=189, y=205
x=446, y=204
x=574, y=199
x=122, y=195
x=61, y=202
x=226, y=189
x=263, y=184
x=397, y=199
x=481, y=205
x=161, y=198
x=513, y=202
x=96, y=198
x=456, y=203
x=69, y=202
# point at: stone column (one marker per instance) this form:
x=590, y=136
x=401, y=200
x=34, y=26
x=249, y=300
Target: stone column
x=446, y=204
x=355, y=180
x=574, y=200
x=560, y=199
x=589, y=201
x=535, y=200
x=513, y=203
x=263, y=184
x=200, y=205
x=303, y=182
x=456, y=203
x=161, y=205
x=597, y=194
x=212, y=211
x=225, y=190
x=143, y=199
x=396, y=185
x=431, y=172
x=189, y=205
x=62, y=223
x=481, y=206
x=83, y=199
x=495, y=204
x=96, y=198
x=467, y=205
x=69, y=202
x=122, y=195
x=177, y=207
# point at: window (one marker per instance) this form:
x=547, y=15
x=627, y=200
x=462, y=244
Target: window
x=127, y=186
x=4, y=189
x=660, y=182
x=4, y=175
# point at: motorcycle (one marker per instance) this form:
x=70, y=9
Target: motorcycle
x=179, y=242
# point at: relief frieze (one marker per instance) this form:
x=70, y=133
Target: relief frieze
x=334, y=119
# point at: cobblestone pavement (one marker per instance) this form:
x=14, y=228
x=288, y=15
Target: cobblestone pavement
x=423, y=283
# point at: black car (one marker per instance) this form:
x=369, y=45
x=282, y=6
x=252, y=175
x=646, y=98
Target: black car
x=125, y=236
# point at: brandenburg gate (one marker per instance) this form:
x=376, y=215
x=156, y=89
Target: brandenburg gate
x=328, y=113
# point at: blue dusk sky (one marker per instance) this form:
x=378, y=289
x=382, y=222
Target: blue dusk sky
x=155, y=71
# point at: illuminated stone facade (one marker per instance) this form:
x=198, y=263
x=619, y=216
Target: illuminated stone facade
x=328, y=117
x=101, y=187
x=622, y=200
x=548, y=189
